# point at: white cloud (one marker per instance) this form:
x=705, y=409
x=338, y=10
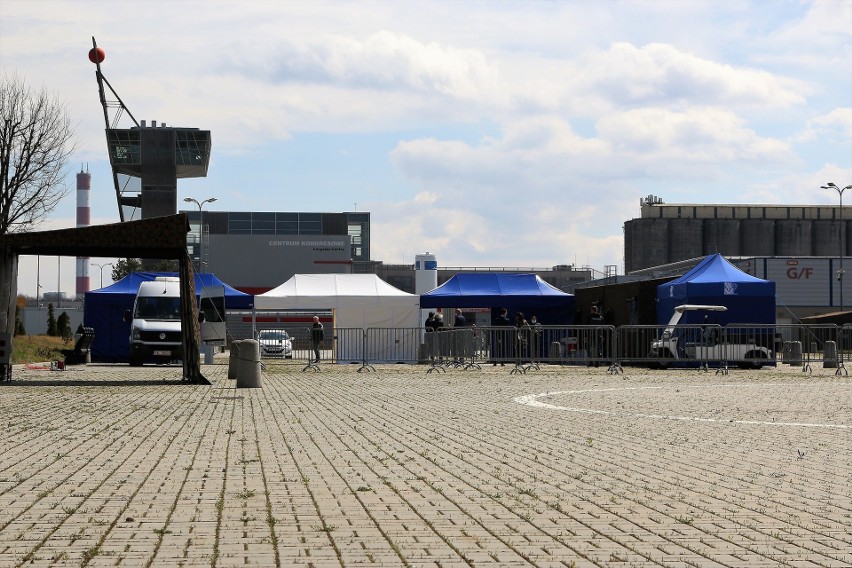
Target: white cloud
x=835, y=126
x=699, y=135
x=658, y=73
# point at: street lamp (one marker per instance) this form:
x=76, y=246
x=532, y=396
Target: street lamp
x=101, y=266
x=200, y=227
x=840, y=272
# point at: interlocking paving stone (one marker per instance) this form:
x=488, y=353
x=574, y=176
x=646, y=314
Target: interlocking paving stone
x=107, y=465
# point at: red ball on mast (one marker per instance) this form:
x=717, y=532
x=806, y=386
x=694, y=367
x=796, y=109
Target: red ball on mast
x=97, y=55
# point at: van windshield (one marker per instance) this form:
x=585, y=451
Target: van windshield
x=156, y=307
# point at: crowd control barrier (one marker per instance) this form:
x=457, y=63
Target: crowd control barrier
x=701, y=346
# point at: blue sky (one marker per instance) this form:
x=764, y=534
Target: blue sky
x=488, y=133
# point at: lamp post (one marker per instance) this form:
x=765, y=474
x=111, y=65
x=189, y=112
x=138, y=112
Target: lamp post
x=840, y=272
x=101, y=266
x=200, y=205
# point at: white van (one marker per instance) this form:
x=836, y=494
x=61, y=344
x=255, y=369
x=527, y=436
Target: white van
x=155, y=322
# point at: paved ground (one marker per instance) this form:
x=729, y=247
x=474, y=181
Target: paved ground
x=104, y=465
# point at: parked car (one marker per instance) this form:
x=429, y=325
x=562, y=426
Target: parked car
x=275, y=343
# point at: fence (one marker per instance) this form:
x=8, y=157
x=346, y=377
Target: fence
x=687, y=346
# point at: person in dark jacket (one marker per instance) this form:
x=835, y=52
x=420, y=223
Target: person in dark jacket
x=429, y=339
x=502, y=338
x=317, y=336
x=459, y=320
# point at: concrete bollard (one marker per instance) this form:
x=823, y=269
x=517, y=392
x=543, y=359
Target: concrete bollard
x=232, y=359
x=795, y=353
x=829, y=360
x=248, y=365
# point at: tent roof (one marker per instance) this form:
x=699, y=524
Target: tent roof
x=330, y=289
x=130, y=285
x=715, y=268
x=493, y=289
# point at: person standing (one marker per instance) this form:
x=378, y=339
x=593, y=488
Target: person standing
x=522, y=337
x=597, y=335
x=317, y=336
x=502, y=337
x=429, y=328
x=459, y=338
x=459, y=320
x=536, y=337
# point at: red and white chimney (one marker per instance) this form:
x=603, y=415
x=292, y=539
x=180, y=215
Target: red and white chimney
x=84, y=186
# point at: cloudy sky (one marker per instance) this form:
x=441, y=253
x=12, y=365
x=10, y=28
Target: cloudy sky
x=507, y=133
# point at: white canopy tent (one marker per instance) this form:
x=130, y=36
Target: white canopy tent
x=360, y=301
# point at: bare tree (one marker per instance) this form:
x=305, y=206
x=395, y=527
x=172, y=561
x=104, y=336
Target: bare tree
x=36, y=139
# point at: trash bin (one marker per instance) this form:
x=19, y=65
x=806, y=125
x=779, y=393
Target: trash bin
x=555, y=351
x=829, y=360
x=248, y=365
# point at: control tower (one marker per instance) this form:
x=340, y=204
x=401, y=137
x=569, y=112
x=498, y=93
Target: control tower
x=158, y=155
x=147, y=160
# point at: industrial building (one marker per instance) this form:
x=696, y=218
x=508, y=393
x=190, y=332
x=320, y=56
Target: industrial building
x=256, y=251
x=669, y=233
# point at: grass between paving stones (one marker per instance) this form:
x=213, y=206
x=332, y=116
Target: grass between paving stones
x=270, y=519
x=161, y=533
x=528, y=468
x=594, y=485
x=385, y=456
x=166, y=419
x=71, y=472
x=323, y=526
x=220, y=502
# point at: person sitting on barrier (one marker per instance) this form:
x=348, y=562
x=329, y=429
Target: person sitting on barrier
x=317, y=336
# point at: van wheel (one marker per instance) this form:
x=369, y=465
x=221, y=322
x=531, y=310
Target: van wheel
x=754, y=360
x=135, y=361
x=663, y=360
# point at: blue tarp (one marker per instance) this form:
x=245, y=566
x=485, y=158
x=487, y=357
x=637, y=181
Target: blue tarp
x=716, y=281
x=104, y=310
x=522, y=292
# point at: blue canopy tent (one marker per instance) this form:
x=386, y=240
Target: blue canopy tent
x=716, y=281
x=104, y=310
x=516, y=292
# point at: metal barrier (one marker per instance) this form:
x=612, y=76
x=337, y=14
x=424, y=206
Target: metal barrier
x=453, y=347
x=700, y=346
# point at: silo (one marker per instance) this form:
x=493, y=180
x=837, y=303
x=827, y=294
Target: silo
x=646, y=243
x=84, y=186
x=757, y=237
x=827, y=238
x=793, y=237
x=685, y=239
x=425, y=273
x=722, y=236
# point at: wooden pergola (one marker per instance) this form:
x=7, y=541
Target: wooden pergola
x=158, y=237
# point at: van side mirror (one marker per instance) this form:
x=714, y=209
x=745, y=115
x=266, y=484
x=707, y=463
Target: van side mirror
x=127, y=316
x=201, y=317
